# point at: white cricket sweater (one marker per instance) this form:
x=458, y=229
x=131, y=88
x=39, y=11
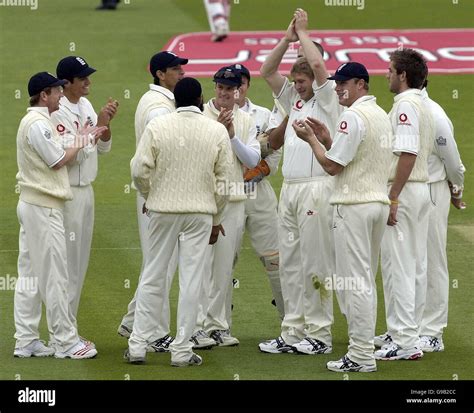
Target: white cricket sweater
x=180, y=161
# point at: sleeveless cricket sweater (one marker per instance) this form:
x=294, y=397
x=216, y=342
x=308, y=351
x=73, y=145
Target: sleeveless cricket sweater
x=365, y=178
x=39, y=184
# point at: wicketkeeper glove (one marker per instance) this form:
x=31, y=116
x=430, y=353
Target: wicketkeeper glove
x=253, y=176
x=265, y=148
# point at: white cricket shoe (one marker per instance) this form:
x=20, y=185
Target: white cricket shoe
x=223, y=338
x=275, y=346
x=134, y=359
x=162, y=345
x=312, y=346
x=202, y=341
x=77, y=352
x=382, y=340
x=195, y=360
x=395, y=352
x=430, y=344
x=124, y=331
x=36, y=348
x=345, y=364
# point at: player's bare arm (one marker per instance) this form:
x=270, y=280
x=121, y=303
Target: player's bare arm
x=269, y=69
x=276, y=137
x=311, y=52
x=406, y=162
x=305, y=132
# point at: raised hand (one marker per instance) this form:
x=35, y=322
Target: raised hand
x=107, y=112
x=226, y=117
x=301, y=21
x=290, y=34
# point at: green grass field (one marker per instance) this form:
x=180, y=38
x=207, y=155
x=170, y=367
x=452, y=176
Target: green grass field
x=119, y=44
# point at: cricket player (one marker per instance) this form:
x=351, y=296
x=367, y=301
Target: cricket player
x=75, y=110
x=261, y=218
x=305, y=216
x=42, y=261
x=446, y=182
x=215, y=319
x=218, y=14
x=166, y=69
x=181, y=160
x=404, y=243
x=361, y=204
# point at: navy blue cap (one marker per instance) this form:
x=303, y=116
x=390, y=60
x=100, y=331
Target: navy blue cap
x=73, y=66
x=41, y=81
x=351, y=70
x=242, y=69
x=229, y=76
x=163, y=60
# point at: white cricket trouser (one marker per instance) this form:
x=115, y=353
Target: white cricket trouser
x=78, y=225
x=164, y=314
x=306, y=250
x=358, y=232
x=215, y=9
x=42, y=277
x=261, y=222
x=435, y=316
x=191, y=232
x=404, y=265
x=219, y=312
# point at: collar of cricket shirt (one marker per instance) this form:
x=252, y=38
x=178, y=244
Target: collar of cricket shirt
x=168, y=93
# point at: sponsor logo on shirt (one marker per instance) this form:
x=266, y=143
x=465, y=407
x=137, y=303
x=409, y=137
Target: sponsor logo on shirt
x=298, y=105
x=441, y=141
x=403, y=119
x=342, y=127
x=47, y=134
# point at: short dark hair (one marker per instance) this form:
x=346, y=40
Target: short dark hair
x=413, y=64
x=187, y=92
x=35, y=98
x=156, y=80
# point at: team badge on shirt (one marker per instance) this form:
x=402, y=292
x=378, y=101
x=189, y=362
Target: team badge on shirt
x=343, y=128
x=441, y=141
x=403, y=119
x=60, y=128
